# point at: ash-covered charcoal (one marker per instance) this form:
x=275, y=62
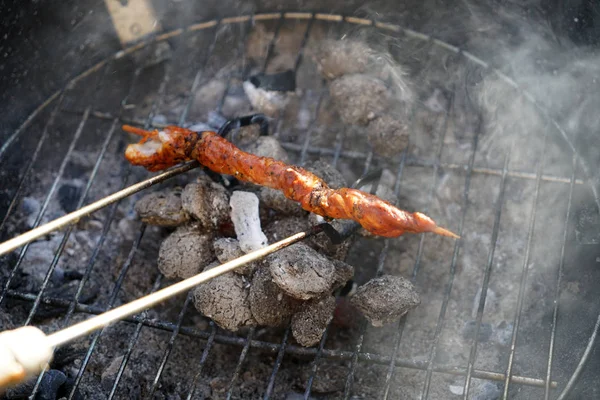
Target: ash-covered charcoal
x=246, y=221
x=359, y=99
x=303, y=273
x=268, y=146
x=185, y=252
x=335, y=58
x=388, y=135
x=207, y=202
x=277, y=201
x=226, y=300
x=385, y=299
x=227, y=249
x=309, y=323
x=285, y=227
x=162, y=208
x=270, y=305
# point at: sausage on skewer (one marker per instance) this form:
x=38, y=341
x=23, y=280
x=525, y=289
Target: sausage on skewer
x=159, y=150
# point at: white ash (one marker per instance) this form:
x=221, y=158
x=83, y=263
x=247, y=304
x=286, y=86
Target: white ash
x=270, y=103
x=388, y=135
x=246, y=221
x=225, y=300
x=162, y=208
x=185, y=252
x=227, y=249
x=385, y=299
x=309, y=324
x=335, y=58
x=270, y=305
x=207, y=202
x=303, y=273
x=359, y=98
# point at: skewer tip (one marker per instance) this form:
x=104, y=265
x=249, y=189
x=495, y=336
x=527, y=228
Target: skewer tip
x=445, y=232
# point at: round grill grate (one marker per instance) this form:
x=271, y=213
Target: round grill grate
x=509, y=196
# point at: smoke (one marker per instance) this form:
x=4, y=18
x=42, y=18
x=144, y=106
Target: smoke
x=537, y=95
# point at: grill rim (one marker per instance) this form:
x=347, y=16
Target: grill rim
x=577, y=161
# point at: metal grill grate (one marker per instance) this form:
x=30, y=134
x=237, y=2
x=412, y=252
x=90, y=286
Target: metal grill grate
x=214, y=36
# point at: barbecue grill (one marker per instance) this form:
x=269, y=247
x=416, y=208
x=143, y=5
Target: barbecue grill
x=505, y=310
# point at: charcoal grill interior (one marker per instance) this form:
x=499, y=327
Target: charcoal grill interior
x=516, y=213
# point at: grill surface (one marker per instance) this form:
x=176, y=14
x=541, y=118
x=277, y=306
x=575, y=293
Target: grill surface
x=139, y=84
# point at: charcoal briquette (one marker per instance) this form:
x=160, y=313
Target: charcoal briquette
x=385, y=299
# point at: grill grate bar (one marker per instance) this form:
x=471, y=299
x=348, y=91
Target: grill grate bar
x=372, y=358
x=73, y=304
x=271, y=47
x=486, y=277
x=401, y=323
x=198, y=77
x=67, y=234
x=531, y=228
x=44, y=207
x=559, y=278
x=136, y=243
x=315, y=364
x=132, y=343
x=278, y=362
x=440, y=322
x=42, y=211
x=434, y=182
x=28, y=169
x=169, y=348
x=238, y=367
x=239, y=50
x=203, y=358
x=111, y=302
